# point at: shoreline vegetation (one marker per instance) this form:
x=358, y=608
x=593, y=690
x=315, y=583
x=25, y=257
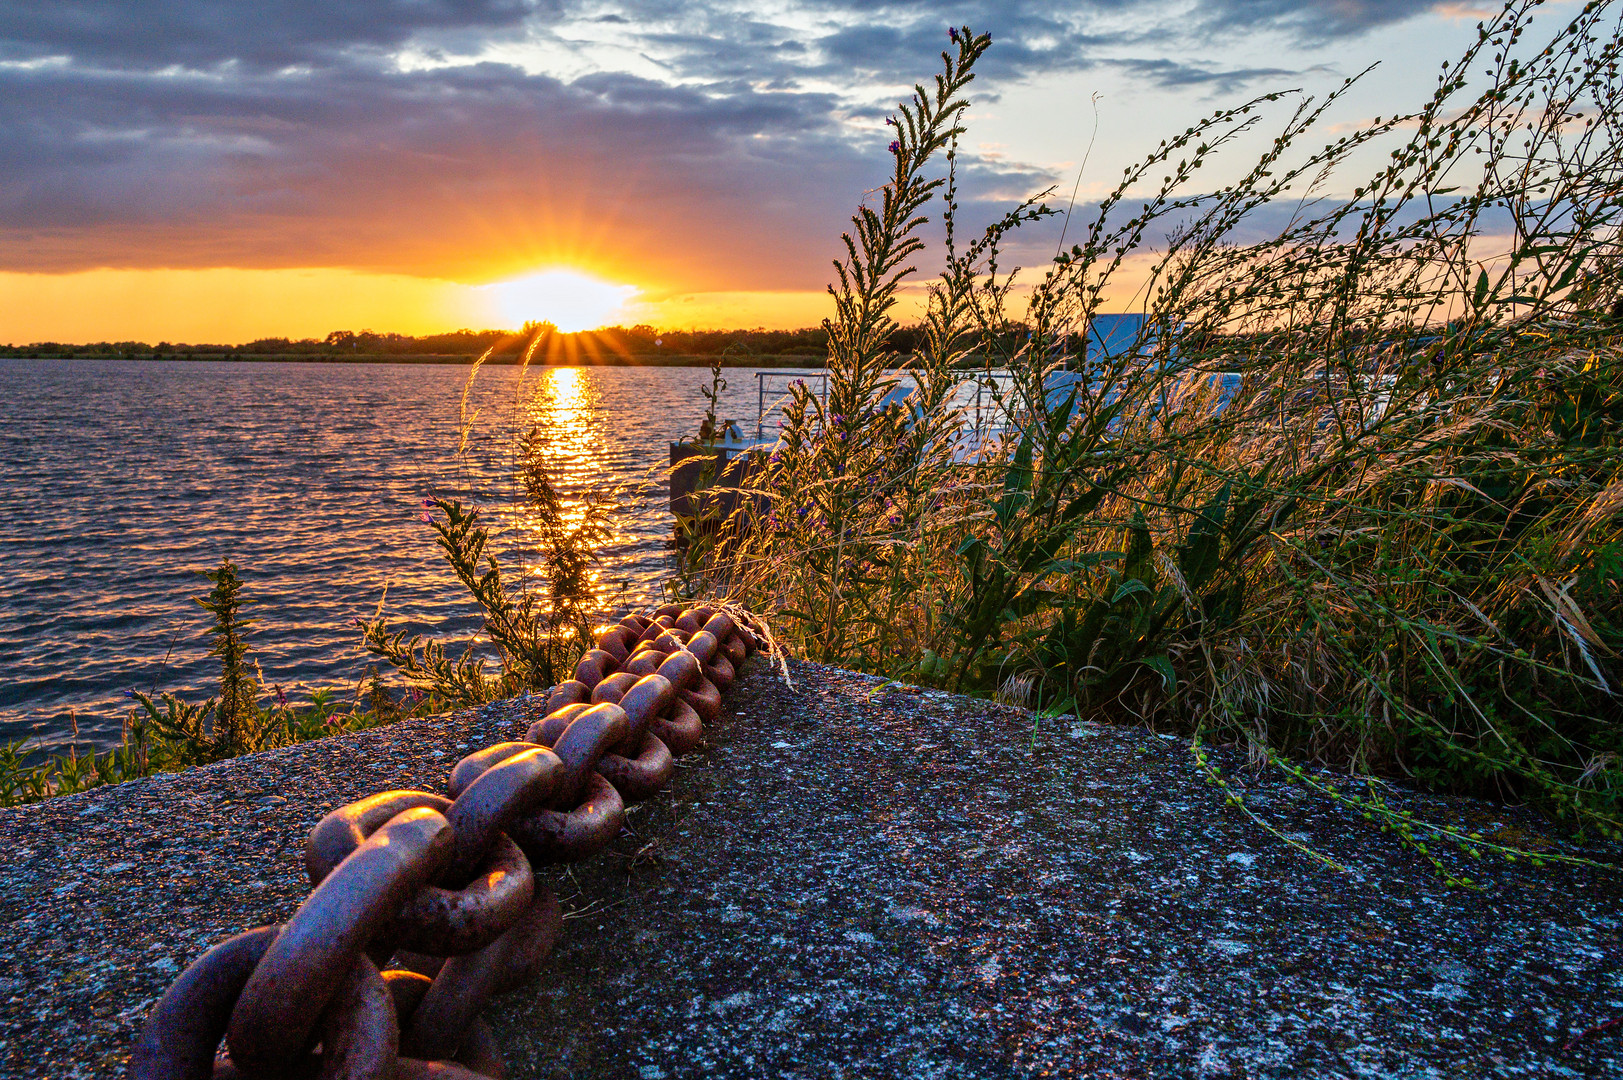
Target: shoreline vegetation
x=537, y=343
x=1352, y=497
x=538, y=609
x=694, y=360
x=165, y=733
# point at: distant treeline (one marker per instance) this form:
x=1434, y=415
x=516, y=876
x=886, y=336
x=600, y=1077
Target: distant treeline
x=640, y=344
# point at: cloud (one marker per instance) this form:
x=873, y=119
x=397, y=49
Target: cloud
x=468, y=172
x=1175, y=73
x=1313, y=22
x=712, y=145
x=202, y=34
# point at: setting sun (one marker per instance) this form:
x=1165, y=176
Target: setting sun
x=568, y=299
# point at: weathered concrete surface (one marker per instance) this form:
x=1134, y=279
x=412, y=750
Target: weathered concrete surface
x=851, y=883
x=106, y=896
x=921, y=885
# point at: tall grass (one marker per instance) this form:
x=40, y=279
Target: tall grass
x=1351, y=495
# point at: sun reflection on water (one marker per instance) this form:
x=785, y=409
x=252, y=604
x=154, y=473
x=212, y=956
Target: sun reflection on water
x=312, y=476
x=565, y=412
x=564, y=386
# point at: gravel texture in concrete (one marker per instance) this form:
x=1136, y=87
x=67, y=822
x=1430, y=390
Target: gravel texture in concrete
x=856, y=880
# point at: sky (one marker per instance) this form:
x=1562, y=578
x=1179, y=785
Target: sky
x=225, y=170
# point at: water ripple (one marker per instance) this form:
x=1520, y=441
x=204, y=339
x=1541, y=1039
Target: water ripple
x=123, y=479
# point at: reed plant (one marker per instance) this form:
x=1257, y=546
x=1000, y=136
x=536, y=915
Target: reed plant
x=536, y=610
x=1351, y=493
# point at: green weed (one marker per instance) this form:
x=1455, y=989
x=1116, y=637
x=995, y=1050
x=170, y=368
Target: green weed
x=537, y=613
x=1350, y=495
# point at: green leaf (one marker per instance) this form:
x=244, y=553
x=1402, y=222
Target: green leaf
x=1198, y=556
x=1140, y=549
x=1570, y=274
x=1016, y=484
x=1083, y=504
x=1162, y=667
x=1131, y=587
x=1082, y=561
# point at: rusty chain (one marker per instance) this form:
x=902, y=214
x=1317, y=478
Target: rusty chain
x=424, y=906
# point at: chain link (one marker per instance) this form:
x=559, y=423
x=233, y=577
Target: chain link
x=424, y=906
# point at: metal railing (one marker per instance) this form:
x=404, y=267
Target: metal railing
x=770, y=395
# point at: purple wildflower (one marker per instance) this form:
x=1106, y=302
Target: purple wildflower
x=428, y=519
x=281, y=696
x=428, y=504
x=891, y=120
x=129, y=693
x=895, y=147
x=952, y=32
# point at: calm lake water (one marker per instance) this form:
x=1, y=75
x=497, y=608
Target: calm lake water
x=122, y=479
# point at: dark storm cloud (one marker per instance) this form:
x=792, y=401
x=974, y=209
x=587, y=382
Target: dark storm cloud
x=206, y=33
x=283, y=132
